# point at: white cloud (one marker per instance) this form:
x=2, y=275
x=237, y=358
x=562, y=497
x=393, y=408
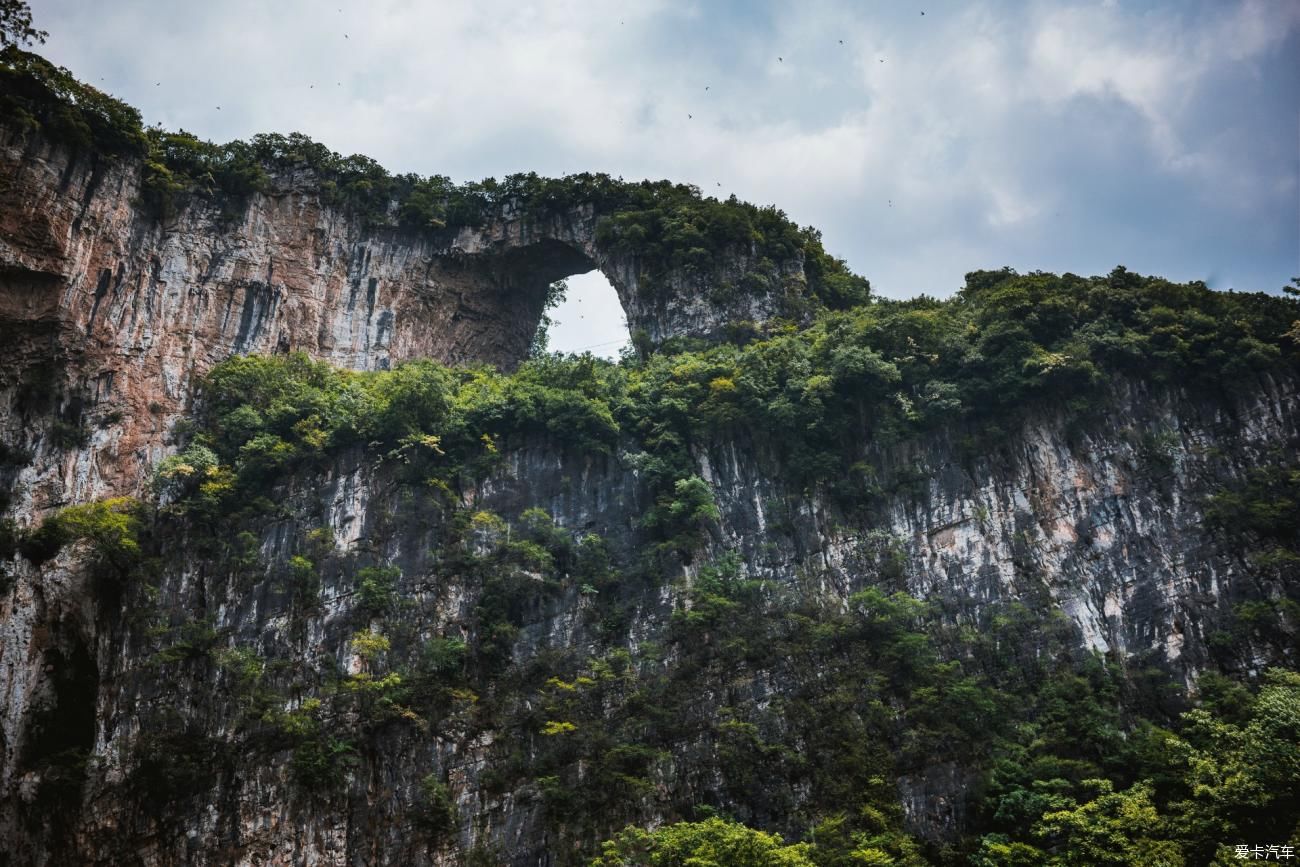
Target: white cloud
x=990, y=133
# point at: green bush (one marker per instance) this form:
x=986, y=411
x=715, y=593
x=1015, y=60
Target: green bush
x=439, y=815
x=110, y=526
x=377, y=589
x=36, y=94
x=711, y=842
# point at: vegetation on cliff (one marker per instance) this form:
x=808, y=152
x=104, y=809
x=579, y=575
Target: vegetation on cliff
x=1065, y=757
x=669, y=228
x=766, y=724
x=1006, y=345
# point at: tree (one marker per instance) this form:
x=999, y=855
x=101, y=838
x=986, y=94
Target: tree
x=16, y=25
x=1243, y=779
x=541, y=339
x=711, y=843
x=1121, y=829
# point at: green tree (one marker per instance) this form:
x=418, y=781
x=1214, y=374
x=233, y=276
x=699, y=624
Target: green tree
x=1243, y=780
x=110, y=526
x=16, y=25
x=542, y=337
x=1114, y=829
x=711, y=843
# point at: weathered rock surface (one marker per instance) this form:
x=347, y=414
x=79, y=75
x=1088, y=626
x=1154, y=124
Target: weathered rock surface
x=109, y=318
x=1085, y=520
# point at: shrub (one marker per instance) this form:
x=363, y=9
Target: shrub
x=110, y=526
x=377, y=589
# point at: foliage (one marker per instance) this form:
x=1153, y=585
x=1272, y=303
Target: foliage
x=16, y=24
x=541, y=339
x=110, y=526
x=1113, y=828
x=812, y=397
x=1263, y=513
x=195, y=474
x=39, y=96
x=440, y=814
x=178, y=165
x=665, y=227
x=712, y=843
x=377, y=590
x=268, y=415
x=321, y=759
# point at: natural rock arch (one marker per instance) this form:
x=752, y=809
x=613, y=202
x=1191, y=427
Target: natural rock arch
x=520, y=258
x=132, y=309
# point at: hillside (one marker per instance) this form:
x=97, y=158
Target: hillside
x=306, y=560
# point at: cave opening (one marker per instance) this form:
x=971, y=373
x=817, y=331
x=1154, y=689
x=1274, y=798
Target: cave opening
x=587, y=316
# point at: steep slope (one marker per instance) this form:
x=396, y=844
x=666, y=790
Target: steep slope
x=908, y=573
x=374, y=667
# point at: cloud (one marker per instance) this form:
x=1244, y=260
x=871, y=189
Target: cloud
x=1061, y=136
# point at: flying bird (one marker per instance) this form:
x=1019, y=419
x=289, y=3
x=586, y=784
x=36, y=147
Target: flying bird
x=689, y=116
x=706, y=87
x=841, y=42
x=779, y=60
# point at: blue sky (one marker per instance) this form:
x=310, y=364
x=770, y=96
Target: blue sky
x=1070, y=136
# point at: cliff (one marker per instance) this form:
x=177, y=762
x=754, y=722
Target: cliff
x=234, y=713
x=884, y=575
x=113, y=313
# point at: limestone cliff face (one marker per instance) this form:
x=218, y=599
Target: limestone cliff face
x=1084, y=520
x=110, y=315
x=109, y=318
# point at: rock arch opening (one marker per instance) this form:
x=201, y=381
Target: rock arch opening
x=587, y=317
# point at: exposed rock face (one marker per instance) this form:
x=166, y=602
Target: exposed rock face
x=1085, y=520
x=110, y=315
x=109, y=318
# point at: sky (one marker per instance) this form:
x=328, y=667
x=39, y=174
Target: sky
x=924, y=139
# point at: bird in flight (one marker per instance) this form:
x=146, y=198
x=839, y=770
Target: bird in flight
x=779, y=60
x=706, y=87
x=689, y=116
x=218, y=108
x=841, y=42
